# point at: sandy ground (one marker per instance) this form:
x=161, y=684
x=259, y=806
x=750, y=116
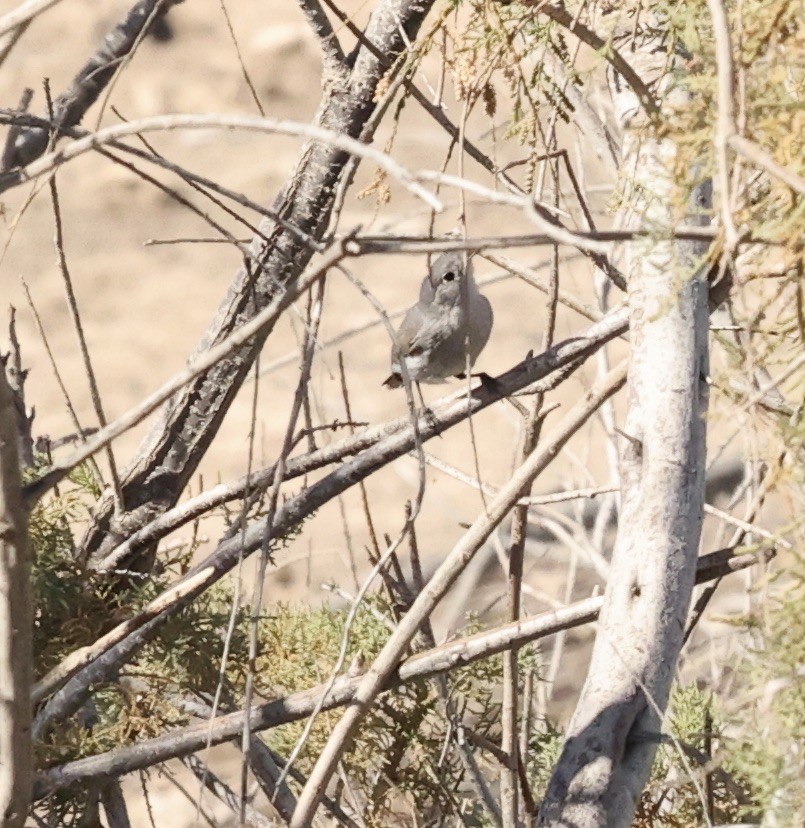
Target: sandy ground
x=144, y=306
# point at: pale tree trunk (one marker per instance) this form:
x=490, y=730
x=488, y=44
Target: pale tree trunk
x=613, y=735
x=15, y=626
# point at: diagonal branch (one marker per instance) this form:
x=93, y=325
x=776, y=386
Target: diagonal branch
x=559, y=14
x=24, y=13
x=170, y=454
x=380, y=671
x=328, y=40
x=71, y=106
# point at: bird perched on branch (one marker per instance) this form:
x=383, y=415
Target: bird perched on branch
x=451, y=321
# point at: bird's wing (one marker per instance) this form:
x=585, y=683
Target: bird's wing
x=431, y=333
x=421, y=331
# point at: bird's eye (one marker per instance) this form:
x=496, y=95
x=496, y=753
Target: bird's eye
x=449, y=276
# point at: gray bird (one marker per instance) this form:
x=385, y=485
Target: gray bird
x=451, y=320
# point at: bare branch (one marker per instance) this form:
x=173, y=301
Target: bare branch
x=24, y=13
x=159, y=123
x=758, y=156
x=328, y=40
x=725, y=123
x=71, y=106
x=218, y=788
x=16, y=376
x=16, y=625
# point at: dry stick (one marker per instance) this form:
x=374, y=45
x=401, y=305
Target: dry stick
x=769, y=478
x=322, y=28
x=362, y=485
x=59, y=381
x=279, y=473
x=725, y=122
x=533, y=425
x=16, y=376
x=24, y=13
x=242, y=247
x=114, y=805
x=243, y=70
x=429, y=244
x=428, y=639
x=246, y=814
x=159, y=123
x=7, y=43
x=121, y=642
x=450, y=569
x=337, y=251
x=201, y=183
x=531, y=277
x=261, y=761
x=72, y=303
x=299, y=705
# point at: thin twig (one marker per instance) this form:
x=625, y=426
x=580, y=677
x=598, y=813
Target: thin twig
x=72, y=303
x=758, y=156
x=23, y=13
x=725, y=122
x=159, y=123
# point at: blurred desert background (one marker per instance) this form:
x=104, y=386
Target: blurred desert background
x=146, y=305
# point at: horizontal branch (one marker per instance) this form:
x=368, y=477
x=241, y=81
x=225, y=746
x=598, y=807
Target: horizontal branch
x=161, y=123
x=297, y=706
x=425, y=244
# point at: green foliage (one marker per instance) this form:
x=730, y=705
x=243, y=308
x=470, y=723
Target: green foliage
x=767, y=743
x=689, y=776
x=403, y=755
x=75, y=606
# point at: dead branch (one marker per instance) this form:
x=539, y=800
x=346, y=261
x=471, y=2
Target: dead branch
x=16, y=376
x=24, y=13
x=71, y=106
x=16, y=625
